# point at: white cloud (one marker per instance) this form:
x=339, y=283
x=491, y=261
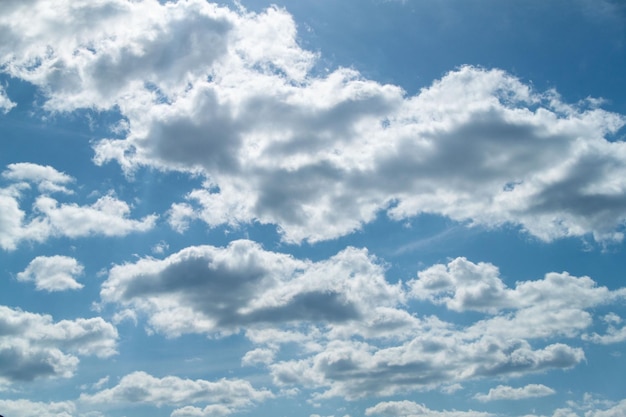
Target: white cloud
x=555, y=305
x=351, y=370
x=222, y=397
x=53, y=273
x=258, y=356
x=107, y=216
x=324, y=307
x=231, y=94
x=412, y=409
x=217, y=290
x=33, y=346
x=26, y=408
x=46, y=177
x=503, y=392
x=5, y=103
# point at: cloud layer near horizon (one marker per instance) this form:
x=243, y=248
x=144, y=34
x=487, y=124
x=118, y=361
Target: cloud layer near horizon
x=317, y=154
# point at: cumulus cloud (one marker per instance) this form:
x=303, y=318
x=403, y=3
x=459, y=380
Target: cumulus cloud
x=26, y=408
x=207, y=289
x=412, y=409
x=53, y=273
x=354, y=332
x=354, y=370
x=34, y=346
x=222, y=397
x=107, y=216
x=555, y=305
x=504, y=392
x=434, y=354
x=45, y=177
x=230, y=94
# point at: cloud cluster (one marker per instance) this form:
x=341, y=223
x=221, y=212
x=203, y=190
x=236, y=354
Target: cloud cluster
x=107, y=216
x=356, y=332
x=34, y=346
x=231, y=94
x=222, y=397
x=504, y=392
x=411, y=409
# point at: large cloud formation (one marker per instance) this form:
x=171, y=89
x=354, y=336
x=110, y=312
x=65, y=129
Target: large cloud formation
x=231, y=94
x=356, y=331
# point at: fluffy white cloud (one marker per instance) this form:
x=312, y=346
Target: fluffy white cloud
x=231, y=94
x=351, y=369
x=433, y=353
x=26, y=408
x=355, y=335
x=503, y=392
x=411, y=409
x=222, y=397
x=33, y=346
x=555, y=305
x=46, y=177
x=107, y=216
x=217, y=290
x=53, y=273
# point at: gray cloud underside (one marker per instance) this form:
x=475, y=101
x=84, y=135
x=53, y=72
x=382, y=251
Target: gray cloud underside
x=357, y=336
x=232, y=95
x=33, y=346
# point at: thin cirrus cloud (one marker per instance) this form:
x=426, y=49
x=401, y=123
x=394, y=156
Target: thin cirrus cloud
x=343, y=148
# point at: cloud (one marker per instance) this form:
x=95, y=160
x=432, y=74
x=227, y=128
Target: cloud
x=411, y=409
x=355, y=335
x=503, y=392
x=107, y=216
x=52, y=273
x=33, y=346
x=555, y=305
x=26, y=408
x=222, y=397
x=258, y=356
x=613, y=333
x=426, y=353
x=231, y=95
x=5, y=103
x=354, y=370
x=207, y=289
x=46, y=177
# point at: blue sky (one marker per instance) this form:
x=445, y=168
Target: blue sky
x=314, y=208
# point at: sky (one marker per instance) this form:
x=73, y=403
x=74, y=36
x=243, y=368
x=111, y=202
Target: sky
x=314, y=208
